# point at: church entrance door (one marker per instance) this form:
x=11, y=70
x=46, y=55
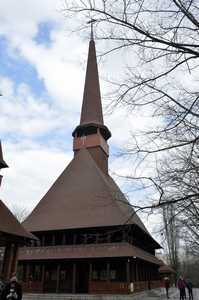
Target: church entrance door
x=82, y=277
x=50, y=278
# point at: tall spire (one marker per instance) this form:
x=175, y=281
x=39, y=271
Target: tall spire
x=91, y=107
x=91, y=133
x=91, y=112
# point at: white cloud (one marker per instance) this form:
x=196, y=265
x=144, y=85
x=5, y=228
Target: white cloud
x=33, y=169
x=20, y=21
x=22, y=114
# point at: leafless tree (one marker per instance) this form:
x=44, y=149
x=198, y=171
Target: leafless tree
x=171, y=234
x=19, y=212
x=162, y=79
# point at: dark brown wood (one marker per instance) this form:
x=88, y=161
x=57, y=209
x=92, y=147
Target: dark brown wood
x=43, y=240
x=90, y=271
x=136, y=270
x=104, y=287
x=14, y=258
x=123, y=235
x=128, y=271
x=58, y=278
x=74, y=239
x=7, y=262
x=64, y=238
x=43, y=276
x=27, y=272
x=74, y=279
x=108, y=271
x=53, y=240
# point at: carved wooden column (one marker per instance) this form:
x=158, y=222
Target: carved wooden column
x=43, y=240
x=90, y=275
x=123, y=236
x=43, y=276
x=108, y=271
x=27, y=272
x=74, y=279
x=64, y=239
x=58, y=278
x=90, y=271
x=53, y=240
x=7, y=262
x=74, y=238
x=136, y=270
x=128, y=271
x=14, y=258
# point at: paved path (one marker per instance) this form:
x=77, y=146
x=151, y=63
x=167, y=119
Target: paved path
x=158, y=294
x=173, y=293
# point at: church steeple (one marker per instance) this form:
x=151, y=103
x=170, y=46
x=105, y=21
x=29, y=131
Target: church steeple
x=92, y=133
x=91, y=107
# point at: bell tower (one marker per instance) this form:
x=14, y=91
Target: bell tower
x=91, y=133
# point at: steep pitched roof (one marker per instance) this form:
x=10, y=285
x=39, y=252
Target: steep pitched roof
x=91, y=107
x=82, y=196
x=10, y=225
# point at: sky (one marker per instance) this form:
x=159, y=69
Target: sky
x=42, y=72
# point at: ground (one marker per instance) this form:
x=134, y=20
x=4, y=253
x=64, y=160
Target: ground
x=151, y=295
x=173, y=294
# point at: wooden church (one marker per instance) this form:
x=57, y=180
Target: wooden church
x=12, y=235
x=90, y=239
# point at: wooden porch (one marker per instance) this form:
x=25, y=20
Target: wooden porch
x=89, y=276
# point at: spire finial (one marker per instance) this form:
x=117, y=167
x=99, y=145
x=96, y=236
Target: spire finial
x=92, y=21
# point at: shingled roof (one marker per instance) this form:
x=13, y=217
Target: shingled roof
x=91, y=107
x=10, y=225
x=82, y=196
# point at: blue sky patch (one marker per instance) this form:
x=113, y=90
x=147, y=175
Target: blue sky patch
x=19, y=70
x=43, y=36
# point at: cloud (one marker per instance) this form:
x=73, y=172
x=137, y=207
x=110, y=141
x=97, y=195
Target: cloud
x=55, y=62
x=26, y=115
x=21, y=21
x=33, y=169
